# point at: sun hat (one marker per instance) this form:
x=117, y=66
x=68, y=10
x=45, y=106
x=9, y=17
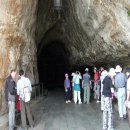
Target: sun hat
x=118, y=69
x=112, y=71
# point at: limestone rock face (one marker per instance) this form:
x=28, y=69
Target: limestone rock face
x=105, y=35
x=95, y=32
x=17, y=43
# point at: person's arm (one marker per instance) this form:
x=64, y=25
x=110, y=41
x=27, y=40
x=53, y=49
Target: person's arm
x=125, y=79
x=80, y=77
x=65, y=86
x=18, y=90
x=29, y=84
x=112, y=88
x=82, y=83
x=128, y=90
x=116, y=82
x=128, y=95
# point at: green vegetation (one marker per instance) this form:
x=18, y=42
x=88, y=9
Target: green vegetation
x=128, y=12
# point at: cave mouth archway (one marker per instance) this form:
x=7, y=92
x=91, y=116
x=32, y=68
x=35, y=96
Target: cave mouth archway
x=53, y=63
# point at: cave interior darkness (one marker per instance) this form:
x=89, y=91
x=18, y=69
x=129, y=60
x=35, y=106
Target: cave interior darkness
x=53, y=62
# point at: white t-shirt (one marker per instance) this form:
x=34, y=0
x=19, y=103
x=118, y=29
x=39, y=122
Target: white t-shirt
x=22, y=82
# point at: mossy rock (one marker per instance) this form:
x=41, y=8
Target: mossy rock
x=128, y=12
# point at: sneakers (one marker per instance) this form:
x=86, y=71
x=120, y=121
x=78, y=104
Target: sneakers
x=97, y=101
x=80, y=102
x=124, y=116
x=67, y=101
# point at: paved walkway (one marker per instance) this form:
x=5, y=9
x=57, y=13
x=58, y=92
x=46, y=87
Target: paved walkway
x=54, y=114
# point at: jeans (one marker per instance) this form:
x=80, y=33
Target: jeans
x=68, y=94
x=121, y=95
x=11, y=106
x=96, y=91
x=87, y=93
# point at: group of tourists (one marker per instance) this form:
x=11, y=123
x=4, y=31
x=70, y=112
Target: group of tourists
x=23, y=91
x=106, y=86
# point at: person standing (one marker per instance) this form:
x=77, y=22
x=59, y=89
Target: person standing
x=77, y=94
x=103, y=74
x=120, y=84
x=10, y=93
x=128, y=94
x=24, y=106
x=107, y=92
x=86, y=82
x=73, y=77
x=67, y=88
x=96, y=85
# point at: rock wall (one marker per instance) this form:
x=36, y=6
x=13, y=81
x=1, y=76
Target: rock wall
x=17, y=43
x=100, y=31
x=95, y=32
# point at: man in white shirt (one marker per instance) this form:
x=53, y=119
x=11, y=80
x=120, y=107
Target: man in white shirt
x=24, y=106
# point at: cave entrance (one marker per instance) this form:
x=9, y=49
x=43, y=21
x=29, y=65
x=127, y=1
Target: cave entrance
x=52, y=62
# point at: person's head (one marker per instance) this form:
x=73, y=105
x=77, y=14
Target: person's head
x=21, y=73
x=13, y=73
x=102, y=68
x=86, y=70
x=105, y=73
x=111, y=72
x=66, y=75
x=95, y=70
x=73, y=74
x=128, y=72
x=118, y=69
x=77, y=73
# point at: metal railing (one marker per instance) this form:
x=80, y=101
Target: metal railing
x=38, y=91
